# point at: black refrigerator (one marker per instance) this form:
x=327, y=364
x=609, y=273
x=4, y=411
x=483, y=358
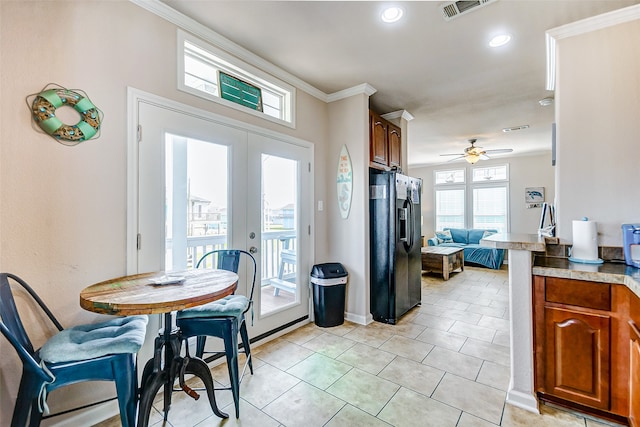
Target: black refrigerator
x=395, y=263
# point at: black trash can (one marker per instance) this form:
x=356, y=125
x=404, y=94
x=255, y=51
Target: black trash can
x=329, y=282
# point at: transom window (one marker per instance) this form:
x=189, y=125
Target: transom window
x=491, y=173
x=199, y=68
x=450, y=177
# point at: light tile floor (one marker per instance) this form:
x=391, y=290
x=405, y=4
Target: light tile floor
x=446, y=363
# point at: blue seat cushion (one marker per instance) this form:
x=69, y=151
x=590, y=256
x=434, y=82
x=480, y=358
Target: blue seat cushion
x=229, y=306
x=82, y=342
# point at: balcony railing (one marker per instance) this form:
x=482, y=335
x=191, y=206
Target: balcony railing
x=273, y=242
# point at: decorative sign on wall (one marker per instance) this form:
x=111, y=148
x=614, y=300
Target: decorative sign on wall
x=43, y=107
x=235, y=90
x=344, y=182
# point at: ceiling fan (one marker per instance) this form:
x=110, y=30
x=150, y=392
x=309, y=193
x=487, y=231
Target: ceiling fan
x=472, y=154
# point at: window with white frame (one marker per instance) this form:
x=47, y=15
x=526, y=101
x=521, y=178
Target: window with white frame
x=450, y=208
x=481, y=203
x=490, y=208
x=199, y=67
x=450, y=198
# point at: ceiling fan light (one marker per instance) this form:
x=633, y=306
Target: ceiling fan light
x=472, y=158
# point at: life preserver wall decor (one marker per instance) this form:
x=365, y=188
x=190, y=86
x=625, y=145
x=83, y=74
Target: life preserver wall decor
x=43, y=108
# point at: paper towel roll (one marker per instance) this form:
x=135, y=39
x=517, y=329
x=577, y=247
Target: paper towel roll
x=585, y=240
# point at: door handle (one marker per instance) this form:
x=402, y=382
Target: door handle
x=253, y=249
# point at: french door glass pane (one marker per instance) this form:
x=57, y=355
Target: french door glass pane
x=195, y=200
x=449, y=208
x=490, y=208
x=279, y=234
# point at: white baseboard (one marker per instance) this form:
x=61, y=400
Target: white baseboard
x=523, y=401
x=359, y=319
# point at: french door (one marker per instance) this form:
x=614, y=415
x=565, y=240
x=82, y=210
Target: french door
x=203, y=182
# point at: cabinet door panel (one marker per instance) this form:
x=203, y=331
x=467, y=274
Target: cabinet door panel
x=379, y=144
x=634, y=383
x=395, y=145
x=577, y=356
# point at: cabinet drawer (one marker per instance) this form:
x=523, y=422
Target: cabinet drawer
x=579, y=293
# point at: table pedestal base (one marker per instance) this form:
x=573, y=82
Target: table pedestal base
x=156, y=375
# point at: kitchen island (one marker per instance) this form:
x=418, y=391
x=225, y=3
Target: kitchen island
x=520, y=255
x=528, y=263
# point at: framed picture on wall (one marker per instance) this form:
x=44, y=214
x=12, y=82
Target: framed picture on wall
x=534, y=195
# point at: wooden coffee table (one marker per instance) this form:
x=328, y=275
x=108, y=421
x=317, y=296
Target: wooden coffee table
x=442, y=259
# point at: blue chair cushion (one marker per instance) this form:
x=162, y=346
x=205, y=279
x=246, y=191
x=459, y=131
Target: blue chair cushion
x=82, y=342
x=229, y=306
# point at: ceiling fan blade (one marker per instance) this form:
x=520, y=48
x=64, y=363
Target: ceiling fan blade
x=499, y=150
x=484, y=157
x=456, y=158
x=456, y=154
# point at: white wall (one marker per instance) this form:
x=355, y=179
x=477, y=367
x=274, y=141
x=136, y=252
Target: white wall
x=598, y=119
x=63, y=209
x=526, y=171
x=349, y=238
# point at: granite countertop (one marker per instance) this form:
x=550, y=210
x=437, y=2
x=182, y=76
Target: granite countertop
x=608, y=272
x=516, y=241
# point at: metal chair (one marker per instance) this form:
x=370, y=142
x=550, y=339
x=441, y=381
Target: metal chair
x=224, y=318
x=96, y=352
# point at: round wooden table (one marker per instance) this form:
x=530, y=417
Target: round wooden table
x=163, y=293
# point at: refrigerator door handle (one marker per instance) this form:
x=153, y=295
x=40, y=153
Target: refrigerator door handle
x=403, y=217
x=410, y=225
x=407, y=224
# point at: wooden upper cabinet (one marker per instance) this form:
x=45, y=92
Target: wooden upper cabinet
x=385, y=142
x=395, y=145
x=379, y=144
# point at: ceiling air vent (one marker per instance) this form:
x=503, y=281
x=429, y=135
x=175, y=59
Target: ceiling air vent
x=454, y=9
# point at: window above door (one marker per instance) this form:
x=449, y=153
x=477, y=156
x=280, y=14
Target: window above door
x=200, y=66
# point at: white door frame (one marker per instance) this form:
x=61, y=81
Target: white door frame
x=134, y=96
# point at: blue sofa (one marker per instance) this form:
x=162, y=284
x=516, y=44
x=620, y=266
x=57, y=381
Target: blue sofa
x=469, y=240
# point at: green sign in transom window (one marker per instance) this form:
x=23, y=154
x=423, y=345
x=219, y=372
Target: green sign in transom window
x=240, y=92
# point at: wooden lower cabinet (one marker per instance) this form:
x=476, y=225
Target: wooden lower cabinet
x=577, y=356
x=634, y=380
x=582, y=353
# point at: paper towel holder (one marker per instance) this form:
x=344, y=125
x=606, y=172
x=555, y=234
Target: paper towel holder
x=585, y=260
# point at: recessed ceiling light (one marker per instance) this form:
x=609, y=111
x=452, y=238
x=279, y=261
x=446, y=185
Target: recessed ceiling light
x=500, y=40
x=391, y=14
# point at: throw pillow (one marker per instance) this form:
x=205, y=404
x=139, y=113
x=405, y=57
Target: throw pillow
x=488, y=233
x=444, y=236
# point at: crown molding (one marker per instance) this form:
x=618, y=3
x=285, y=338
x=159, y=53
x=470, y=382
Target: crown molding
x=402, y=114
x=587, y=25
x=364, y=88
x=182, y=21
